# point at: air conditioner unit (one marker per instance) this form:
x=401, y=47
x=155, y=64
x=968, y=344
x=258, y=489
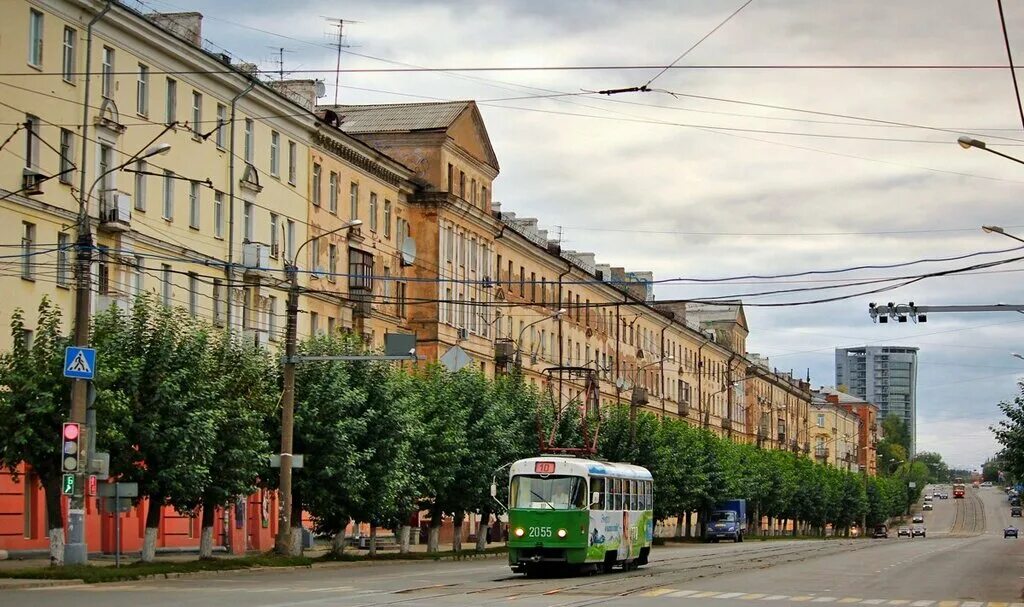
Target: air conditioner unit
x=115, y=211
x=255, y=257
x=256, y=337
x=31, y=182
x=463, y=333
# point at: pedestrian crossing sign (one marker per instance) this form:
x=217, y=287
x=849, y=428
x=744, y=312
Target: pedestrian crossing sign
x=79, y=363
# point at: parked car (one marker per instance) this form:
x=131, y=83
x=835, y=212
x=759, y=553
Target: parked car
x=927, y=506
x=903, y=531
x=1011, y=530
x=1015, y=511
x=918, y=518
x=880, y=531
x=917, y=530
x=987, y=484
x=944, y=496
x=937, y=494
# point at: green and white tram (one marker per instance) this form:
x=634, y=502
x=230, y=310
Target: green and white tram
x=578, y=513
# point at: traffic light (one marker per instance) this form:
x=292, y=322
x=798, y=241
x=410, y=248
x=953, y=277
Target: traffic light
x=71, y=435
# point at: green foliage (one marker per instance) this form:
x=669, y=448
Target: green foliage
x=35, y=400
x=1010, y=434
x=938, y=471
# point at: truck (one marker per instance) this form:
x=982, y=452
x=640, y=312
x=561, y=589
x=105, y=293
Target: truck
x=727, y=521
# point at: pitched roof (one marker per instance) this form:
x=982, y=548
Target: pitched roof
x=398, y=117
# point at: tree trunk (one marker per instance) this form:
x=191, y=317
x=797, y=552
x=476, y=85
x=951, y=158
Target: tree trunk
x=373, y=539
x=54, y=520
x=206, y=536
x=680, y=521
x=689, y=524
x=434, y=533
x=457, y=521
x=403, y=538
x=338, y=543
x=295, y=541
x=154, y=508
x=481, y=531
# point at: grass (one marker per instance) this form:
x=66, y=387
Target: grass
x=92, y=574
x=96, y=574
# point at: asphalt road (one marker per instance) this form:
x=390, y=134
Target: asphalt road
x=963, y=562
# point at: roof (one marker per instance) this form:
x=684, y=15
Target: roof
x=399, y=117
x=844, y=398
x=727, y=311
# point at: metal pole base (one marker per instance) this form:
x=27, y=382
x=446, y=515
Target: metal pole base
x=75, y=551
x=75, y=554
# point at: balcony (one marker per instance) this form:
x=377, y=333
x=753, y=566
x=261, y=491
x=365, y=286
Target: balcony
x=821, y=452
x=113, y=300
x=115, y=211
x=256, y=259
x=504, y=351
x=726, y=424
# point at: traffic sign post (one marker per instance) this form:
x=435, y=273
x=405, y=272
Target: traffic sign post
x=79, y=363
x=116, y=499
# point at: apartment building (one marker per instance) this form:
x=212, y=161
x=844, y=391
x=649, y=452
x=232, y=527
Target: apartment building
x=884, y=375
x=870, y=432
x=835, y=434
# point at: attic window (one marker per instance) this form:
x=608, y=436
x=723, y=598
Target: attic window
x=251, y=179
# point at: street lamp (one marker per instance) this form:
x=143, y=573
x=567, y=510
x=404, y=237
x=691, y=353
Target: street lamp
x=999, y=230
x=970, y=142
x=288, y=393
x=519, y=341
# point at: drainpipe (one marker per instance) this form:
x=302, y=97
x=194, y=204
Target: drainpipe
x=229, y=268
x=618, y=369
x=728, y=394
x=701, y=405
x=568, y=268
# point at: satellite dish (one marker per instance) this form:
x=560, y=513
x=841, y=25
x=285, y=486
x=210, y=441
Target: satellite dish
x=619, y=383
x=408, y=251
x=319, y=89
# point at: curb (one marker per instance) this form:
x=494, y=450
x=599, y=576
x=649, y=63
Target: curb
x=29, y=583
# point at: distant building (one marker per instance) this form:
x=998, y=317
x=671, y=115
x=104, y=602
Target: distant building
x=885, y=376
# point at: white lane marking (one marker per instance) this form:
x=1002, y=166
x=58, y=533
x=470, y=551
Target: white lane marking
x=684, y=593
x=922, y=603
x=730, y=595
x=775, y=597
x=824, y=599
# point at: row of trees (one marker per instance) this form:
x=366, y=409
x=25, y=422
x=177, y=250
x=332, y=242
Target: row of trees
x=192, y=415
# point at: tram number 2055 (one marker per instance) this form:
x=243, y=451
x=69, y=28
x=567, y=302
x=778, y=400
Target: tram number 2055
x=538, y=531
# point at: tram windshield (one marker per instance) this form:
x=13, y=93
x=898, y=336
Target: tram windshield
x=552, y=492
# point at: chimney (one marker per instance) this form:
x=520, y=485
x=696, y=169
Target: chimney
x=248, y=68
x=303, y=92
x=184, y=25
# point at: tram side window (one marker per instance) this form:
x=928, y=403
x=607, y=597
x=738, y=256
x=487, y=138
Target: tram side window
x=650, y=495
x=616, y=494
x=633, y=498
x=642, y=499
x=597, y=486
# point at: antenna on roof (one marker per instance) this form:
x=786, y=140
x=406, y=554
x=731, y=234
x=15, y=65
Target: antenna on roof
x=280, y=60
x=338, y=44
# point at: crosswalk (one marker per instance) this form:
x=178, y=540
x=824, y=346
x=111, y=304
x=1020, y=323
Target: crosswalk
x=700, y=596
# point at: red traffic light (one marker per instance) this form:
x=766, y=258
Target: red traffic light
x=71, y=431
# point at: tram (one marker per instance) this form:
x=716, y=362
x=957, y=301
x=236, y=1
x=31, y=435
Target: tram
x=579, y=514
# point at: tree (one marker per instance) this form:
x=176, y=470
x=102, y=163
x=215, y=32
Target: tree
x=151, y=399
x=1010, y=434
x=938, y=471
x=34, y=402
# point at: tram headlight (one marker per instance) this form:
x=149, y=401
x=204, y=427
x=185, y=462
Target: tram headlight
x=561, y=533
x=519, y=531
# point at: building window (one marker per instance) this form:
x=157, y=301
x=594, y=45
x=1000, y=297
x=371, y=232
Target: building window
x=451, y=179
x=387, y=219
x=218, y=214
x=449, y=244
x=314, y=254
x=107, y=76
x=35, y=38
x=290, y=245
x=272, y=318
x=69, y=58
x=103, y=271
x=401, y=299
x=373, y=212
x=821, y=420
x=193, y=294
x=332, y=262
x=353, y=201
x=292, y=160
x=249, y=139
x=168, y=195
x=63, y=259
x=274, y=239
x=332, y=193
x=166, y=284
x=483, y=197
x=360, y=271
x=28, y=242
x=197, y=112
x=218, y=308
x=314, y=323
x=472, y=191
x=140, y=185
x=247, y=221
x=67, y=155
x=462, y=185
x=31, y=142
x=193, y=205
x=316, y=183
x=142, y=91
x=275, y=153
x=171, y=113
x=222, y=121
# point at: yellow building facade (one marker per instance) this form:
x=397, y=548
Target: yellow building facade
x=834, y=434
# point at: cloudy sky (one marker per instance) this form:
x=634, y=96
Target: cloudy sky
x=691, y=187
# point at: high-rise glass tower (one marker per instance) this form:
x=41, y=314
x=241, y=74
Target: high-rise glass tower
x=885, y=376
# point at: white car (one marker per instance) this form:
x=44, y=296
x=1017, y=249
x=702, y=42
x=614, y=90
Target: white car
x=918, y=518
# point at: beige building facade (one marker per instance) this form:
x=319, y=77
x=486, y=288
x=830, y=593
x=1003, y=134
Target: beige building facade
x=835, y=434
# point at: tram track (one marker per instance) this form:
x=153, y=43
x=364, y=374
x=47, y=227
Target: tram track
x=969, y=518
x=684, y=568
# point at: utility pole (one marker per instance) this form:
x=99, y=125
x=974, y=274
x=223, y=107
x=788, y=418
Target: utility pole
x=338, y=44
x=284, y=544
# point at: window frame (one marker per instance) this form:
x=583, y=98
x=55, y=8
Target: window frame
x=317, y=177
x=139, y=203
x=387, y=218
x=197, y=113
x=275, y=154
x=69, y=57
x=107, y=58
x=36, y=25
x=171, y=101
x=67, y=156
x=332, y=192
x=142, y=90
x=194, y=205
x=373, y=211
x=218, y=215
x=168, y=195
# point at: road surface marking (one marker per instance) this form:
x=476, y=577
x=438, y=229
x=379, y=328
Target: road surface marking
x=873, y=601
x=922, y=603
x=729, y=595
x=972, y=604
x=658, y=592
x=898, y=602
x=705, y=595
x=949, y=603
x=751, y=597
x=684, y=593
x=824, y=599
x=996, y=604
x=776, y=597
x=850, y=599
x=801, y=599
